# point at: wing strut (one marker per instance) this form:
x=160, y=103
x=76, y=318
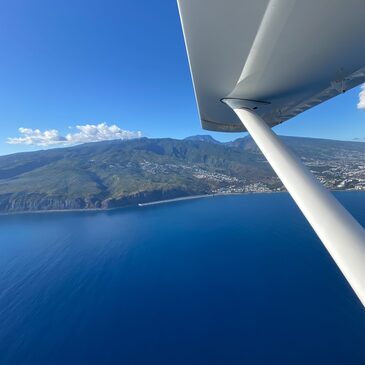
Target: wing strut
x=341, y=234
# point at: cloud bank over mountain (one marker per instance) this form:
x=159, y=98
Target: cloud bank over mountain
x=85, y=133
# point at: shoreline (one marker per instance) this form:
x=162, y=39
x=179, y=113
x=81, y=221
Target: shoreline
x=157, y=202
x=137, y=205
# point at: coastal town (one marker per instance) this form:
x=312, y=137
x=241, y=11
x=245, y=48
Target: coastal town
x=344, y=171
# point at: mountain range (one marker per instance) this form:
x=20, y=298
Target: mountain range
x=111, y=174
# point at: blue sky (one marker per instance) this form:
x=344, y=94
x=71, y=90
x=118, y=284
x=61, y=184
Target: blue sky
x=120, y=62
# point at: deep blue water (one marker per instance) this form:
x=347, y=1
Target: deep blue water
x=223, y=280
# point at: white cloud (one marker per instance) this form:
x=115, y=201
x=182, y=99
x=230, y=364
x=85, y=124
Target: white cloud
x=86, y=133
x=361, y=103
x=38, y=138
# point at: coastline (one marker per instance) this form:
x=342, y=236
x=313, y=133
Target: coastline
x=157, y=202
x=137, y=205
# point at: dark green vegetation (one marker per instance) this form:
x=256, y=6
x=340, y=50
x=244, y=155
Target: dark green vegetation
x=118, y=173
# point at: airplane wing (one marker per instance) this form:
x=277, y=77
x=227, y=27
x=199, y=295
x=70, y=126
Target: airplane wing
x=279, y=57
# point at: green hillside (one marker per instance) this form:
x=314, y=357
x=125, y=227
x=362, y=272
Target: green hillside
x=118, y=173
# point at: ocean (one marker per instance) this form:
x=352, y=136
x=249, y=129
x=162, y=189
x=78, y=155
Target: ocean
x=221, y=280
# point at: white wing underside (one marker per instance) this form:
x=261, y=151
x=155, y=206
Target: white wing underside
x=279, y=57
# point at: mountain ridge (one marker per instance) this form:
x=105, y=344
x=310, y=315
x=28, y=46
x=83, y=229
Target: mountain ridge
x=111, y=174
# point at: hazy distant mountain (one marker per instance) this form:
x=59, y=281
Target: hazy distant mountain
x=118, y=173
